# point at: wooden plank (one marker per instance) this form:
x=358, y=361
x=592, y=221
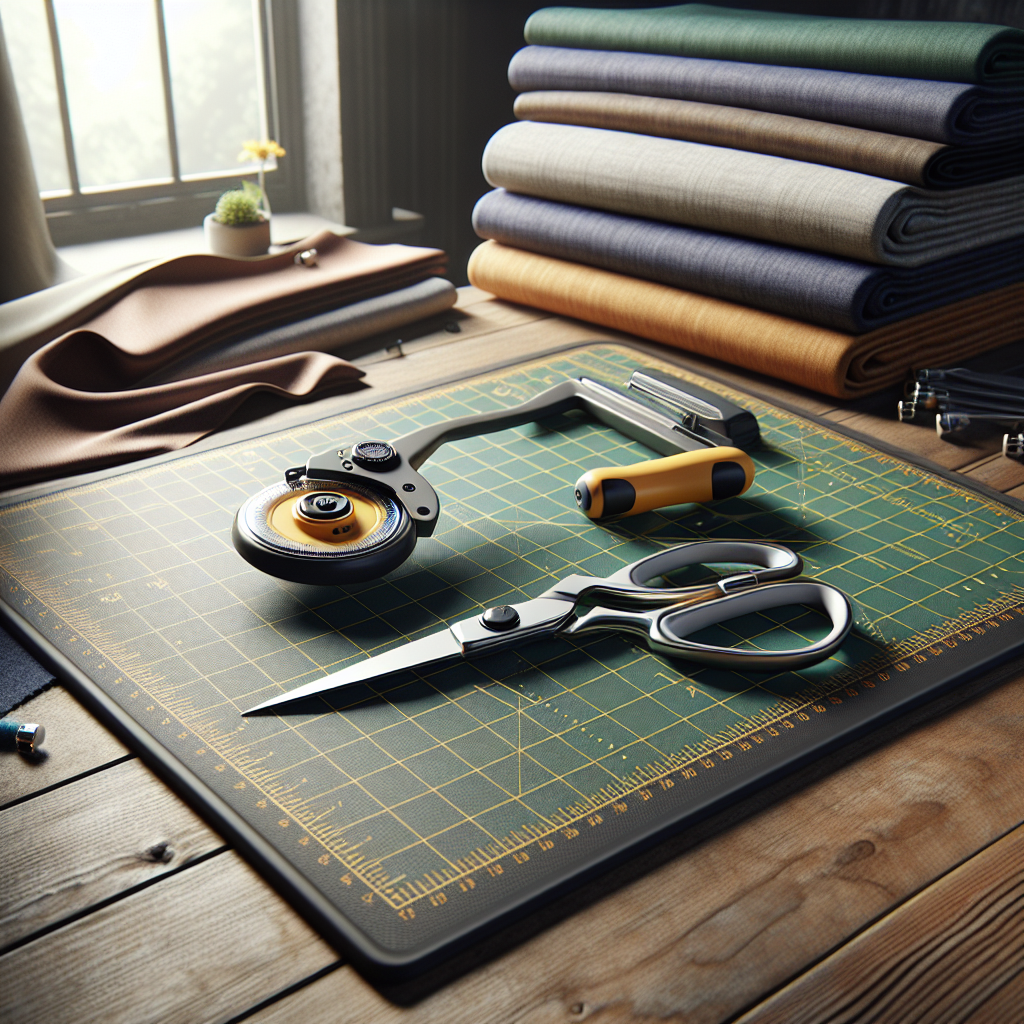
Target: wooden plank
x=940, y=956
x=997, y=471
x=90, y=841
x=75, y=743
x=705, y=935
x=959, y=450
x=200, y=946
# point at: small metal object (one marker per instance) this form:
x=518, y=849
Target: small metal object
x=306, y=258
x=378, y=456
x=500, y=618
x=24, y=737
x=325, y=507
x=1013, y=445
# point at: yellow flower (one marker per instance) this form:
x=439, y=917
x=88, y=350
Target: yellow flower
x=260, y=151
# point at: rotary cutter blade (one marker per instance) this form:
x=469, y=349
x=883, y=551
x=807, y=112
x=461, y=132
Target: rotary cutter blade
x=319, y=531
x=353, y=513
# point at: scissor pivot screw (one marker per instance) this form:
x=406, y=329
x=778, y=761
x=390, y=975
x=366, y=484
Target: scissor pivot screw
x=500, y=618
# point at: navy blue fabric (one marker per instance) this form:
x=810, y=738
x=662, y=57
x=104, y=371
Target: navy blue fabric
x=940, y=111
x=21, y=676
x=845, y=295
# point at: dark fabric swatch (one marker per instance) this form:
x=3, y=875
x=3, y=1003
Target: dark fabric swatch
x=21, y=676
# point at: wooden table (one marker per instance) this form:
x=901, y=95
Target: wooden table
x=883, y=884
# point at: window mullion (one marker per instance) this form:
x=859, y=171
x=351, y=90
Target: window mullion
x=62, y=97
x=165, y=71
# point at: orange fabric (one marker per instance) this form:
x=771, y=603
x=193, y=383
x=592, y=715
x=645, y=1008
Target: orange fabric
x=76, y=403
x=841, y=365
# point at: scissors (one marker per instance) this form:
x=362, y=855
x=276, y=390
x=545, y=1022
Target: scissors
x=626, y=600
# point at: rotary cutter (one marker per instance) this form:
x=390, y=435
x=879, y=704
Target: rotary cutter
x=353, y=513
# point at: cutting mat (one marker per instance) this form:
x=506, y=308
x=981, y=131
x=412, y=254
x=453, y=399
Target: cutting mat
x=407, y=818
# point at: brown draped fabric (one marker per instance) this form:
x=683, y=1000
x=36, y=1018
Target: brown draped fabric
x=76, y=403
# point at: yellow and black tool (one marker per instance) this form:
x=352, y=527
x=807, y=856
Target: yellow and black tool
x=714, y=468
x=707, y=475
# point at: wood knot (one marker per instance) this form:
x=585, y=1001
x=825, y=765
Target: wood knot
x=161, y=853
x=855, y=851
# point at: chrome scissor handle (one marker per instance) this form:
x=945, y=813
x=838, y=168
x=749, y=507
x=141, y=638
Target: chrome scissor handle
x=628, y=586
x=666, y=631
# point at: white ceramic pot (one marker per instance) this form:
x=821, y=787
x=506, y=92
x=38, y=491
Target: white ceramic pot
x=236, y=240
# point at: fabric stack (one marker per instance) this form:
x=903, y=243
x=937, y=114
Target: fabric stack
x=762, y=188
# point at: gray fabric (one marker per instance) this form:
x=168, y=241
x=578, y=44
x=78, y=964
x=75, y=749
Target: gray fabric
x=842, y=294
x=327, y=332
x=940, y=111
x=809, y=206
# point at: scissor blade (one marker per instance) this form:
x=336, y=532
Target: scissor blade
x=429, y=650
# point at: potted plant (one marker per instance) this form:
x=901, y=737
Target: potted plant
x=238, y=227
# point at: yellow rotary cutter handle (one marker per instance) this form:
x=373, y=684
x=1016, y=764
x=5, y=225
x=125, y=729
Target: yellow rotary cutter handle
x=706, y=475
x=353, y=512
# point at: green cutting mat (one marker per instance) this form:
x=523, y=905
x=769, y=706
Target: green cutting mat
x=413, y=816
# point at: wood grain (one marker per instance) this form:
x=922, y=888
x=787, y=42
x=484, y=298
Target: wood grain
x=705, y=935
x=957, y=451
x=75, y=743
x=200, y=946
x=90, y=841
x=997, y=471
x=940, y=956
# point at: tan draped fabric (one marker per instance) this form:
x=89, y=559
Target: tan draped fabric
x=76, y=403
x=841, y=365
x=882, y=155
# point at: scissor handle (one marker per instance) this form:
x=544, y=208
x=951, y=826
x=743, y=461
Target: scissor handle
x=667, y=630
x=775, y=561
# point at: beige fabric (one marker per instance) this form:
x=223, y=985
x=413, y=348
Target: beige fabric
x=753, y=194
x=837, y=364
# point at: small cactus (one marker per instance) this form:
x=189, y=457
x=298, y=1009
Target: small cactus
x=240, y=207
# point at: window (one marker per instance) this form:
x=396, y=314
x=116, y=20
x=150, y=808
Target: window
x=136, y=109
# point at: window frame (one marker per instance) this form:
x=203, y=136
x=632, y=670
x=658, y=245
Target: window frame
x=94, y=214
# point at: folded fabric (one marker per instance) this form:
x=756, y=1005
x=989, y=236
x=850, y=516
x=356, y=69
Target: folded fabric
x=842, y=294
x=896, y=157
x=81, y=402
x=944, y=51
x=769, y=197
x=191, y=301
x=947, y=112
x=327, y=332
x=841, y=365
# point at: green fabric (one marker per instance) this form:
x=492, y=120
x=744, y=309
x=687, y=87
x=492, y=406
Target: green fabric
x=944, y=51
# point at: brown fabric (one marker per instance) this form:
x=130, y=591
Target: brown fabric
x=884, y=156
x=75, y=404
x=347, y=271
x=841, y=365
